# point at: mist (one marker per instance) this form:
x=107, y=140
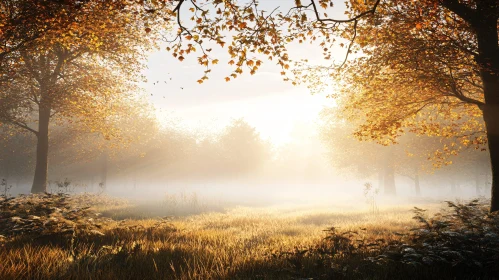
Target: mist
x=320, y=164
x=246, y=139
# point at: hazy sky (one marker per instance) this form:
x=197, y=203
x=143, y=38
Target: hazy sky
x=264, y=99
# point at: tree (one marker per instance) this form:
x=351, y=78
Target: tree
x=457, y=39
x=366, y=158
x=16, y=155
x=82, y=154
x=423, y=71
x=76, y=74
x=242, y=149
x=445, y=53
x=23, y=22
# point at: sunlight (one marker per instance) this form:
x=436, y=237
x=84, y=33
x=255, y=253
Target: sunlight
x=273, y=115
x=246, y=139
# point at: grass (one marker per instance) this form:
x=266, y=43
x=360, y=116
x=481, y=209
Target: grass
x=215, y=243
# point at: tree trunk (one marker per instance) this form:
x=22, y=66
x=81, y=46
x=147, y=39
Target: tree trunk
x=477, y=182
x=486, y=184
x=42, y=151
x=492, y=124
x=389, y=180
x=104, y=170
x=454, y=187
x=416, y=183
x=134, y=178
x=488, y=59
x=380, y=179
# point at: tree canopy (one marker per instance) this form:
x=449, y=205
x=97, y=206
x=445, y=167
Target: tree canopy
x=83, y=68
x=428, y=67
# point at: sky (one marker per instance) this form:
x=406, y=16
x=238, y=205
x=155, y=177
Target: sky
x=264, y=100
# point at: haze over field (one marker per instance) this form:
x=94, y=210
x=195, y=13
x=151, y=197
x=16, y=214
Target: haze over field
x=303, y=142
x=246, y=139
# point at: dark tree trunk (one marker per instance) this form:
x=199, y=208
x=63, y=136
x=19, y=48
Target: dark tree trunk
x=42, y=151
x=492, y=124
x=488, y=59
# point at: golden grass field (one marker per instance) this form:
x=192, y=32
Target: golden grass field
x=233, y=243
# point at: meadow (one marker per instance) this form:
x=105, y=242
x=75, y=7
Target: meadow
x=181, y=237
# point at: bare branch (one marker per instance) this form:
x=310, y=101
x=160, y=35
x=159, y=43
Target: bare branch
x=351, y=43
x=354, y=19
x=22, y=125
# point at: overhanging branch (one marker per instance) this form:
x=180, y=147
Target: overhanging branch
x=23, y=126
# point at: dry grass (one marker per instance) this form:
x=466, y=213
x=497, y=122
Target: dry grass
x=238, y=243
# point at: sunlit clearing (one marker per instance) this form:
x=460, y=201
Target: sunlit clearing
x=306, y=139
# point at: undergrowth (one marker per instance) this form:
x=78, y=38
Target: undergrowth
x=460, y=242
x=65, y=237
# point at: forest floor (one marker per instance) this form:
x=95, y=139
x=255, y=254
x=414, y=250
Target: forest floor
x=97, y=237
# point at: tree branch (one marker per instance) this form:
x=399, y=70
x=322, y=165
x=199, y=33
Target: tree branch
x=354, y=19
x=23, y=125
x=460, y=9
